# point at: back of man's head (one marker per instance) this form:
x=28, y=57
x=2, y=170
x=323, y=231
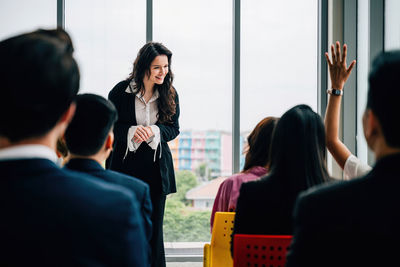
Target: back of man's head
x=39, y=79
x=384, y=95
x=94, y=119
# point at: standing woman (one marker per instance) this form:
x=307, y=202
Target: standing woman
x=148, y=112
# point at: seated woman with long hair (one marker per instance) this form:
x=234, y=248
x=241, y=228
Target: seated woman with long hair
x=297, y=162
x=255, y=166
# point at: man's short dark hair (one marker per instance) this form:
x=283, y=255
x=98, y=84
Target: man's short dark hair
x=93, y=120
x=39, y=79
x=384, y=95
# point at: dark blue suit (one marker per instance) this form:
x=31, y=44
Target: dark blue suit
x=56, y=217
x=140, y=189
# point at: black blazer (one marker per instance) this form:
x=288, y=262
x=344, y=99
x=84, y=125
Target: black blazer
x=139, y=188
x=354, y=223
x=265, y=207
x=56, y=217
x=125, y=104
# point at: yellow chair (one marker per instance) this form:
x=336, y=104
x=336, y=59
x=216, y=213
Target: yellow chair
x=218, y=253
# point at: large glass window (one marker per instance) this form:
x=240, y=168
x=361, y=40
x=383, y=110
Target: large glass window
x=25, y=15
x=392, y=24
x=107, y=36
x=278, y=71
x=199, y=34
x=362, y=76
x=279, y=58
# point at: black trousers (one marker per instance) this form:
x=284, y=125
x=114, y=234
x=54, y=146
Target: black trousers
x=141, y=165
x=157, y=239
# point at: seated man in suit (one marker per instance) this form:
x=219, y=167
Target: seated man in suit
x=51, y=216
x=357, y=223
x=89, y=138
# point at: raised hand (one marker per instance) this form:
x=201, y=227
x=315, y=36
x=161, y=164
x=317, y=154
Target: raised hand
x=339, y=73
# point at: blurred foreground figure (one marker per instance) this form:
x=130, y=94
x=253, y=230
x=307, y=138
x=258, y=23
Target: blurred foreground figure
x=51, y=216
x=356, y=223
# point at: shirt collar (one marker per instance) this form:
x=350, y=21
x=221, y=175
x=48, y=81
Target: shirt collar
x=154, y=96
x=28, y=152
x=131, y=88
x=84, y=165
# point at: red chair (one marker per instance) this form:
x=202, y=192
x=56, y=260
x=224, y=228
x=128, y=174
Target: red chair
x=260, y=250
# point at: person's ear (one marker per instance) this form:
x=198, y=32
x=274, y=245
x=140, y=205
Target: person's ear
x=372, y=127
x=110, y=140
x=68, y=114
x=65, y=119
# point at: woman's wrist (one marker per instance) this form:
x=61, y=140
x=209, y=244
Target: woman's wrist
x=337, y=86
x=335, y=92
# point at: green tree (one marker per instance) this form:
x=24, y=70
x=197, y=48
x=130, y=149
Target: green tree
x=203, y=172
x=185, y=180
x=182, y=224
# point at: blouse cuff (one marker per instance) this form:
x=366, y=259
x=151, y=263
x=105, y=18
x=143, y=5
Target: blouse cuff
x=155, y=140
x=132, y=146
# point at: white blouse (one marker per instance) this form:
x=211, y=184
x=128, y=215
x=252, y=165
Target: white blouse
x=355, y=168
x=146, y=115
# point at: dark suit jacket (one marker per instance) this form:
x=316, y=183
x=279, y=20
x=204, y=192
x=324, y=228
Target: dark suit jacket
x=125, y=104
x=265, y=207
x=355, y=223
x=56, y=217
x=139, y=188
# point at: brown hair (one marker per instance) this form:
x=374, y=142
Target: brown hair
x=141, y=67
x=259, y=141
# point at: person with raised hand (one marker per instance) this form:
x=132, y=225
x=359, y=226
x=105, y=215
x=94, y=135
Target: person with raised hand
x=339, y=73
x=356, y=222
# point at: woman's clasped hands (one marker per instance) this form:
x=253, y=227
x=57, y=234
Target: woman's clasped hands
x=142, y=134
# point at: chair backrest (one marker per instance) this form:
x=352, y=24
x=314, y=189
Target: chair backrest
x=220, y=252
x=222, y=230
x=260, y=250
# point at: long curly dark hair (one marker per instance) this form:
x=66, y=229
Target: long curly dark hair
x=141, y=67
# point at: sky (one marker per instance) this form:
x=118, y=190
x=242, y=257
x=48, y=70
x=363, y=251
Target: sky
x=278, y=51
